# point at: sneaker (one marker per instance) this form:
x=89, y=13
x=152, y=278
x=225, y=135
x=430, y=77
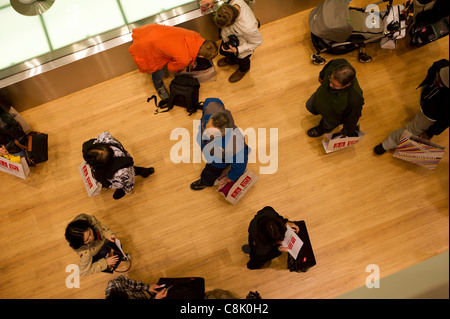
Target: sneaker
x=316, y=131
x=162, y=93
x=144, y=172
x=119, y=193
x=198, y=185
x=379, y=149
x=246, y=249
x=237, y=76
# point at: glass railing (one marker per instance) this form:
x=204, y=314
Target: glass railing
x=74, y=25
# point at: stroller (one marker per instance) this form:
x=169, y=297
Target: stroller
x=337, y=28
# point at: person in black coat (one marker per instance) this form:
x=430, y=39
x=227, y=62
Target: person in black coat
x=434, y=114
x=265, y=234
x=10, y=130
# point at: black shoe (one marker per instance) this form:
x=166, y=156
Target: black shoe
x=246, y=249
x=316, y=131
x=119, y=193
x=144, y=172
x=198, y=185
x=379, y=149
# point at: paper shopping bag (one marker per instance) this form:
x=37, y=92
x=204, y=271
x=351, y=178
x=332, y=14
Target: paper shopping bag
x=338, y=143
x=92, y=186
x=419, y=151
x=17, y=169
x=240, y=187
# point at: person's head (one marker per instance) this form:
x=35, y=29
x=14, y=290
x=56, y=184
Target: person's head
x=78, y=233
x=342, y=77
x=272, y=230
x=226, y=15
x=98, y=154
x=208, y=50
x=442, y=79
x=218, y=121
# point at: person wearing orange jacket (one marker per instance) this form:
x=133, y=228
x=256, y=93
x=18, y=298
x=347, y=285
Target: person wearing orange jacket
x=155, y=46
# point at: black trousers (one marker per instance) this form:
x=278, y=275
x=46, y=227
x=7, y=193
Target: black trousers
x=257, y=261
x=210, y=174
x=244, y=64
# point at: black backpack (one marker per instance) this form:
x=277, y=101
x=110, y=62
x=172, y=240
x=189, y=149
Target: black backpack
x=184, y=92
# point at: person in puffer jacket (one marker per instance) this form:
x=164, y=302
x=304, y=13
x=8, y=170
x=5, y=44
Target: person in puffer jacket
x=222, y=145
x=155, y=46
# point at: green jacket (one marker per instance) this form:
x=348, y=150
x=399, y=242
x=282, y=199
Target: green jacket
x=339, y=106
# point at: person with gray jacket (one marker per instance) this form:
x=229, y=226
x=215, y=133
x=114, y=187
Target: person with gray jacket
x=240, y=36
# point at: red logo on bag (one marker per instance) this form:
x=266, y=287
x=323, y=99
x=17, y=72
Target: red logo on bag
x=85, y=170
x=236, y=192
x=342, y=144
x=352, y=142
x=246, y=180
x=4, y=164
x=89, y=182
x=291, y=243
x=14, y=167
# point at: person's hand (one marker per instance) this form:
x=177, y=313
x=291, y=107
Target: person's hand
x=231, y=49
x=209, y=3
x=293, y=226
x=112, y=237
x=112, y=260
x=283, y=249
x=161, y=294
x=153, y=288
x=3, y=150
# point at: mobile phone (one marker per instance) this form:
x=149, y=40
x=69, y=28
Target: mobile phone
x=158, y=288
x=169, y=287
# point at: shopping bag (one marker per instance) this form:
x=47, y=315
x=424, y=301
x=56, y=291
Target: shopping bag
x=92, y=186
x=419, y=151
x=204, y=71
x=335, y=144
x=17, y=169
x=240, y=187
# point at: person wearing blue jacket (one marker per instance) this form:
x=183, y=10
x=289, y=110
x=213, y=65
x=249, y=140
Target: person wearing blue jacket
x=222, y=145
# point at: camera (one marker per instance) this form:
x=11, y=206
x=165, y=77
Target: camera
x=233, y=41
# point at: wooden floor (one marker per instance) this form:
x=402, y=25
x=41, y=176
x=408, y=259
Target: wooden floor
x=360, y=208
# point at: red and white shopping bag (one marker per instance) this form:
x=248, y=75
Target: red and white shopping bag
x=92, y=186
x=338, y=143
x=240, y=187
x=17, y=169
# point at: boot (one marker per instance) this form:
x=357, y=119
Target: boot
x=144, y=172
x=237, y=76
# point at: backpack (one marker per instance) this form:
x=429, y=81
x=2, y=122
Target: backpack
x=184, y=92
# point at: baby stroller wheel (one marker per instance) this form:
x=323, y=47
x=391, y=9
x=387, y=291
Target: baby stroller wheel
x=364, y=58
x=317, y=59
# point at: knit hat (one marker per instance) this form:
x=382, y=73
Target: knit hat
x=443, y=73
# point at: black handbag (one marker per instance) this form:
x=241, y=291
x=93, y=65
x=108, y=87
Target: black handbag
x=184, y=287
x=36, y=150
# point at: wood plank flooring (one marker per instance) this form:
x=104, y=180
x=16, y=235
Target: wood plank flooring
x=360, y=208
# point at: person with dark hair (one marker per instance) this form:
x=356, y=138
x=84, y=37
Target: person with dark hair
x=125, y=288
x=10, y=131
x=112, y=165
x=222, y=144
x=93, y=241
x=265, y=235
x=240, y=36
x=339, y=99
x=434, y=116
x=155, y=46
